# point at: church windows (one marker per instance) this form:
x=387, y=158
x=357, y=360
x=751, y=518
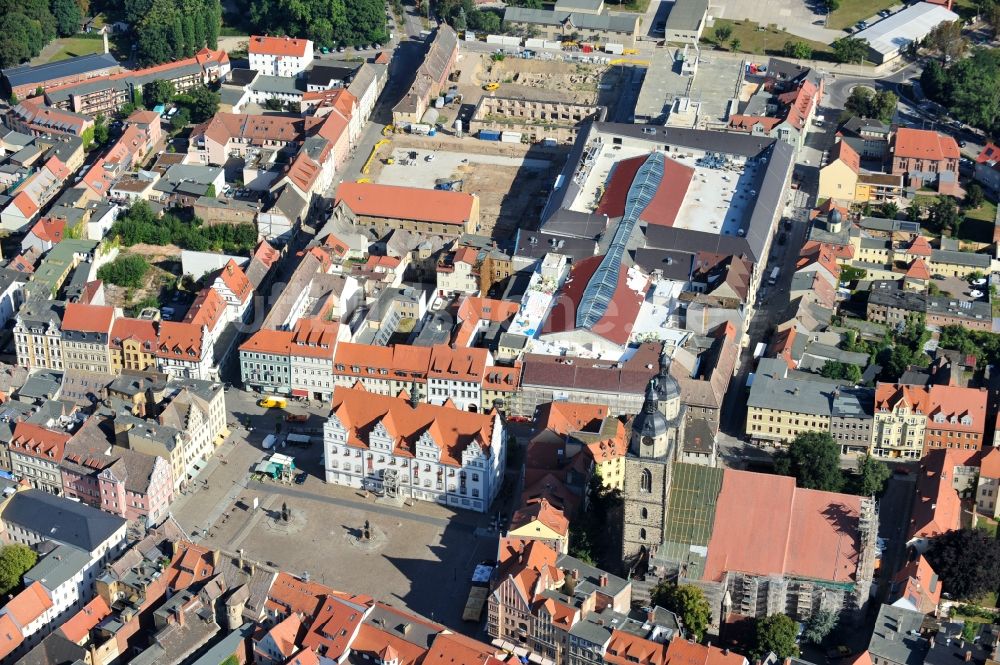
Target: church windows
x=646, y=481
x=644, y=513
x=642, y=534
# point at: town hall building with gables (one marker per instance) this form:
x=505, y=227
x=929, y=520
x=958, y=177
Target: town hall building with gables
x=412, y=450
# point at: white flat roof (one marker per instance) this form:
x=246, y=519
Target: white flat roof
x=717, y=200
x=912, y=24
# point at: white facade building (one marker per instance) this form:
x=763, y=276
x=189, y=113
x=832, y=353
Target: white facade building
x=458, y=458
x=280, y=56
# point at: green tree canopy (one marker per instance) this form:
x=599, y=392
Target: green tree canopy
x=849, y=49
x=872, y=476
x=834, y=369
x=158, y=92
x=67, y=15
x=723, y=33
x=126, y=270
x=15, y=561
x=775, y=633
x=820, y=625
x=686, y=601
x=797, y=49
x=813, y=458
x=967, y=561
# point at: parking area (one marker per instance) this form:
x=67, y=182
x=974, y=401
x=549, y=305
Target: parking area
x=805, y=18
x=511, y=180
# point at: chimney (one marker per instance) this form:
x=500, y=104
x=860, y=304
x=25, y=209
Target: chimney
x=650, y=614
x=968, y=656
x=104, y=36
x=179, y=615
x=725, y=652
x=604, y=579
x=575, y=574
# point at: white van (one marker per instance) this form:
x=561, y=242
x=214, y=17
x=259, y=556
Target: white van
x=268, y=441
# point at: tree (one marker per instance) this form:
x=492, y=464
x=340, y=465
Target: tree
x=889, y=210
x=722, y=34
x=859, y=102
x=101, y=131
x=797, y=49
x=187, y=27
x=820, y=625
x=274, y=104
x=946, y=39
x=974, y=196
x=15, y=561
x=914, y=212
x=849, y=49
x=832, y=5
x=775, y=633
x=127, y=270
x=884, y=105
x=873, y=474
x=18, y=40
x=686, y=601
x=180, y=120
x=813, y=458
x=204, y=103
x=944, y=215
x=67, y=15
x=213, y=21
x=967, y=561
x=834, y=369
x=735, y=44
x=158, y=92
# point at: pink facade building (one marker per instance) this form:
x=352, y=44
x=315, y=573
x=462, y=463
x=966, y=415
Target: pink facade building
x=125, y=482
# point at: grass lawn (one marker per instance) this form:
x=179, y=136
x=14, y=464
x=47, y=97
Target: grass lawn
x=978, y=224
x=627, y=5
x=852, y=11
x=71, y=47
x=769, y=41
x=964, y=8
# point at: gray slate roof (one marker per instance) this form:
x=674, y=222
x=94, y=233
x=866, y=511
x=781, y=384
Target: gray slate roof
x=686, y=15
x=61, y=520
x=26, y=74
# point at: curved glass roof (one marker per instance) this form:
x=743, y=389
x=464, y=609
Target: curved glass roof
x=601, y=288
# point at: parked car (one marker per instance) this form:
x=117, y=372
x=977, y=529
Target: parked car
x=296, y=418
x=301, y=478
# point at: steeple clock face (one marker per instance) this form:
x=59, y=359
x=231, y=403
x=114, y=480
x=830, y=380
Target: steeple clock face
x=647, y=440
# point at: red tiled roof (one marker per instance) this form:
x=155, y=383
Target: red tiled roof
x=665, y=204
x=920, y=247
x=937, y=508
x=207, y=309
x=285, y=634
x=236, y=281
x=925, y=144
x=394, y=202
x=77, y=627
x=277, y=342
x=685, y=652
x=266, y=254
x=138, y=329
x=37, y=441
x=49, y=229
x=451, y=429
x=990, y=467
x=279, y=46
x=990, y=155
x=88, y=318
x=918, y=270
x=451, y=648
x=918, y=583
x=746, y=123
x=467, y=364
x=625, y=648
x=29, y=605
x=845, y=153
x=764, y=525
x=541, y=511
x=191, y=564
x=10, y=635
x=25, y=204
x=334, y=627
x=290, y=595
x=180, y=341
x=616, y=324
